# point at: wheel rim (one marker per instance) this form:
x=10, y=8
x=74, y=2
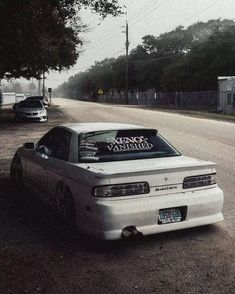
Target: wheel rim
x=63, y=204
x=17, y=171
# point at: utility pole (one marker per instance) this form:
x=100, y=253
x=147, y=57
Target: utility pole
x=39, y=85
x=43, y=84
x=127, y=65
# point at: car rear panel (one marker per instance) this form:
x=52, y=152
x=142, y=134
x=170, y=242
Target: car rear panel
x=164, y=175
x=109, y=216
x=107, y=219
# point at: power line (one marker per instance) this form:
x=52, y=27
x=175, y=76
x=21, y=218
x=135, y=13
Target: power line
x=103, y=40
x=154, y=9
x=143, y=60
x=88, y=67
x=151, y=60
x=117, y=30
x=142, y=9
x=112, y=29
x=104, y=36
x=138, y=20
x=147, y=6
x=206, y=8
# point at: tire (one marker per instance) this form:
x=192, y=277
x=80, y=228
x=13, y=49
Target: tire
x=65, y=210
x=17, y=119
x=16, y=171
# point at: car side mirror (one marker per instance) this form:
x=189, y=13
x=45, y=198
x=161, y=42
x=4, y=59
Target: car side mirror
x=29, y=145
x=44, y=150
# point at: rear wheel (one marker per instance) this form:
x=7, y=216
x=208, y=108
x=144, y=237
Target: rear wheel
x=17, y=171
x=17, y=117
x=65, y=209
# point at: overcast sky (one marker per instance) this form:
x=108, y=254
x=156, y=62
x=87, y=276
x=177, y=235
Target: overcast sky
x=106, y=38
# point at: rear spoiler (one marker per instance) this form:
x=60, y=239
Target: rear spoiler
x=199, y=166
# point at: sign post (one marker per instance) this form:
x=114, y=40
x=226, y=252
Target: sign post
x=50, y=91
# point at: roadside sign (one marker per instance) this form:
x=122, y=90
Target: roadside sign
x=49, y=92
x=100, y=92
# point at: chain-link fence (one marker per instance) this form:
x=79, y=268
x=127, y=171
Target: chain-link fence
x=174, y=100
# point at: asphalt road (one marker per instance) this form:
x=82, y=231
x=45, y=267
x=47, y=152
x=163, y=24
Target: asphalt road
x=36, y=258
x=201, y=138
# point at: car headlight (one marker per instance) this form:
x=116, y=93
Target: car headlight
x=121, y=190
x=43, y=112
x=199, y=181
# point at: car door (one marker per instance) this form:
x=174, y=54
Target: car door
x=39, y=162
x=58, y=161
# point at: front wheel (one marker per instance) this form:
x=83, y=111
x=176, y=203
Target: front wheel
x=65, y=209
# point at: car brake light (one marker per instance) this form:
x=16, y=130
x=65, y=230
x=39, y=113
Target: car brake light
x=199, y=181
x=121, y=190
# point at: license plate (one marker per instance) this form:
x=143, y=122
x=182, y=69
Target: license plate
x=170, y=215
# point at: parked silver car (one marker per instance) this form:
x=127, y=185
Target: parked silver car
x=30, y=110
x=42, y=99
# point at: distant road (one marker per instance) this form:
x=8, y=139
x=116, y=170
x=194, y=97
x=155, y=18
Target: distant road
x=196, y=137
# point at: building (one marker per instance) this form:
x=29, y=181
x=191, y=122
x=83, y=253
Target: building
x=11, y=98
x=226, y=102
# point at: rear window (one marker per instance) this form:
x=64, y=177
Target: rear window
x=123, y=145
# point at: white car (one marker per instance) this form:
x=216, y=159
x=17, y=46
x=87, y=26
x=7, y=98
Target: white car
x=116, y=180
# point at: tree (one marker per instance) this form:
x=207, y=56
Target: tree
x=206, y=61
x=38, y=35
x=17, y=88
x=184, y=59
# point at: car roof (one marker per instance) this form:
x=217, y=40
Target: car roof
x=34, y=97
x=95, y=127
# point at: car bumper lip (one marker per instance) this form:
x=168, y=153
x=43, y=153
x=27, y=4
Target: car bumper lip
x=107, y=219
x=39, y=118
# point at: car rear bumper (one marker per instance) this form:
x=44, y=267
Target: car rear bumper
x=108, y=218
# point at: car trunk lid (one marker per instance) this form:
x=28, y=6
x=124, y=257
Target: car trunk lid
x=164, y=175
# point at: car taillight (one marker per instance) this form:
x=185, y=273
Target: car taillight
x=121, y=190
x=199, y=181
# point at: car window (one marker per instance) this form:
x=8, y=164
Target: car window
x=34, y=98
x=57, y=143
x=123, y=145
x=48, y=141
x=30, y=104
x=61, y=148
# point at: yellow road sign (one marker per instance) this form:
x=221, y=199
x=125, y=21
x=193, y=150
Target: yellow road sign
x=100, y=92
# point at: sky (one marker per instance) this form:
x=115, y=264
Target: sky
x=106, y=39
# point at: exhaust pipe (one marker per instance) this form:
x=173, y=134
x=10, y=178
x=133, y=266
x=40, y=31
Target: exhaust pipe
x=131, y=233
